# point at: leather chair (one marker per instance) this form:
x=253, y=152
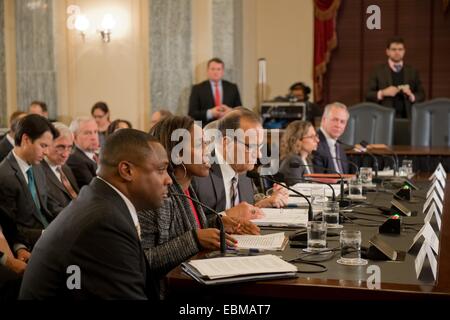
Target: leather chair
x=370, y=122
x=430, y=124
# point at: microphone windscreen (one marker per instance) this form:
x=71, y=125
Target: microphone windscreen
x=252, y=175
x=294, y=165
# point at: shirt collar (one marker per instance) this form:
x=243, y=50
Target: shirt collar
x=23, y=165
x=51, y=165
x=89, y=154
x=128, y=203
x=330, y=141
x=392, y=64
x=213, y=83
x=10, y=139
x=227, y=171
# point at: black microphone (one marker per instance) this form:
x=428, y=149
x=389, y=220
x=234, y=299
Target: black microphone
x=364, y=144
x=395, y=158
x=294, y=165
x=255, y=175
x=354, y=165
x=223, y=244
x=280, y=176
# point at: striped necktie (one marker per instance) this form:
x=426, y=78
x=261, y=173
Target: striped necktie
x=234, y=191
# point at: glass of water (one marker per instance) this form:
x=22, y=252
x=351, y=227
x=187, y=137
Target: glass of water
x=408, y=165
x=351, y=248
x=355, y=188
x=365, y=174
x=318, y=200
x=330, y=214
x=317, y=235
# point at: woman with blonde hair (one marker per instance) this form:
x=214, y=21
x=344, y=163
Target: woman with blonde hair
x=299, y=141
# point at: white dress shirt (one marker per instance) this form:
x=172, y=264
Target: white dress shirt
x=54, y=169
x=23, y=165
x=10, y=140
x=228, y=174
x=130, y=206
x=332, y=146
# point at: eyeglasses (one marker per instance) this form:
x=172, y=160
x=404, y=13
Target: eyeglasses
x=315, y=136
x=251, y=147
x=62, y=148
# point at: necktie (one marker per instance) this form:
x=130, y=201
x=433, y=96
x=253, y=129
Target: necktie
x=234, y=191
x=217, y=99
x=397, y=67
x=338, y=161
x=33, y=191
x=66, y=183
x=95, y=157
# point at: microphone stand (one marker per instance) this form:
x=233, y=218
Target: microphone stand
x=254, y=175
x=342, y=202
x=223, y=244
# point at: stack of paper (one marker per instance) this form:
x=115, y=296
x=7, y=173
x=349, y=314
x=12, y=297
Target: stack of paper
x=273, y=241
x=305, y=188
x=283, y=217
x=238, y=269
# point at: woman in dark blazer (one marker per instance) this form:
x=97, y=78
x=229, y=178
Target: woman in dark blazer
x=298, y=143
x=179, y=229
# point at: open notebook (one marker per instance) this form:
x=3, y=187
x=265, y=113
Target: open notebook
x=273, y=241
x=239, y=269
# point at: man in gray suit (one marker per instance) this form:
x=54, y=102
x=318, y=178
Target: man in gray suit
x=62, y=184
x=227, y=188
x=395, y=84
x=24, y=201
x=92, y=250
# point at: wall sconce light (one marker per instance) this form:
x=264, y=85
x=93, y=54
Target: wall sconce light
x=108, y=23
x=82, y=25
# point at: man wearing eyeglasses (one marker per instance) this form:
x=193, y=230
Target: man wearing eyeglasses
x=227, y=188
x=330, y=153
x=62, y=185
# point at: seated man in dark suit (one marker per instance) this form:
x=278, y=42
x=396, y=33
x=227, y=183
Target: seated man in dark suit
x=7, y=142
x=395, y=84
x=93, y=250
x=330, y=154
x=62, y=186
x=227, y=188
x=213, y=98
x=23, y=187
x=83, y=160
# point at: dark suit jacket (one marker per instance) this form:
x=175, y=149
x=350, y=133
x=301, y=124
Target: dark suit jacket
x=5, y=148
x=97, y=234
x=292, y=175
x=17, y=205
x=83, y=168
x=381, y=78
x=202, y=99
x=322, y=157
x=211, y=191
x=56, y=189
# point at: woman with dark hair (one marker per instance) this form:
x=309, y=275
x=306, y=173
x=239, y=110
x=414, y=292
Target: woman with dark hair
x=100, y=112
x=298, y=143
x=118, y=124
x=179, y=229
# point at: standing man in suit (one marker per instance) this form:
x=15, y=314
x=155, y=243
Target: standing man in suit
x=227, y=188
x=7, y=142
x=24, y=197
x=83, y=160
x=98, y=235
x=38, y=107
x=395, y=84
x=62, y=185
x=213, y=98
x=330, y=153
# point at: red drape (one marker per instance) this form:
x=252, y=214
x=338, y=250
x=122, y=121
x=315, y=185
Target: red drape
x=325, y=40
